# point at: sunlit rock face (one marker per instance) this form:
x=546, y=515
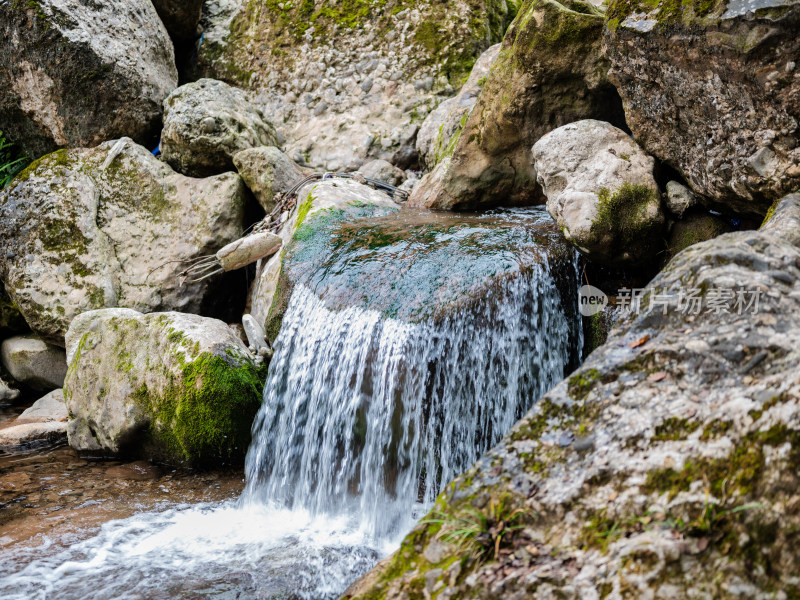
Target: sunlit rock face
x=109, y=226
x=363, y=71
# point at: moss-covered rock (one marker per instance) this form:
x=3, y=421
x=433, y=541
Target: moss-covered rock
x=308, y=230
x=711, y=88
x=694, y=228
x=550, y=72
x=92, y=228
x=601, y=191
x=170, y=387
x=441, y=129
x=667, y=465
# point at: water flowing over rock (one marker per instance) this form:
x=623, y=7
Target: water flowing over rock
x=331, y=201
x=550, y=72
x=405, y=353
x=206, y=123
x=81, y=73
x=713, y=89
x=368, y=72
x=95, y=228
x=667, y=459
x=600, y=190
x=168, y=386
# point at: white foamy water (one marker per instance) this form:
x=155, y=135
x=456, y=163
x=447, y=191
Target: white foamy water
x=207, y=550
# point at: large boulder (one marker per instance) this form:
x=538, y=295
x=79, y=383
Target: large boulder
x=80, y=73
x=550, y=72
x=600, y=190
x=366, y=72
x=33, y=362
x=323, y=202
x=102, y=227
x=168, y=386
x=712, y=88
x=441, y=129
x=666, y=466
x=206, y=123
x=180, y=17
x=267, y=172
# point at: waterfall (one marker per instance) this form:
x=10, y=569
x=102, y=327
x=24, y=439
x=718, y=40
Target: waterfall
x=369, y=416
x=409, y=346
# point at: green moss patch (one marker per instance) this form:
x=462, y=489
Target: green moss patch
x=624, y=212
x=204, y=416
x=667, y=13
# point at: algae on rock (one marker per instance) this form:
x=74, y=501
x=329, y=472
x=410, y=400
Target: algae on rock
x=170, y=387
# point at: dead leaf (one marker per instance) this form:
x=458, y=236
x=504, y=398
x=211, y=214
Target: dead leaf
x=640, y=342
x=658, y=376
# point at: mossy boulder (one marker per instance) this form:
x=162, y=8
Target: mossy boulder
x=550, y=72
x=711, y=87
x=666, y=466
x=170, y=387
x=601, y=191
x=783, y=218
x=80, y=73
x=441, y=129
x=94, y=228
x=365, y=70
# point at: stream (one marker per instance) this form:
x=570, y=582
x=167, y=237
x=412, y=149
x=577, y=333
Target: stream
x=404, y=354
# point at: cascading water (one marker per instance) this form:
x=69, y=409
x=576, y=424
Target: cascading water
x=368, y=416
x=403, y=355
